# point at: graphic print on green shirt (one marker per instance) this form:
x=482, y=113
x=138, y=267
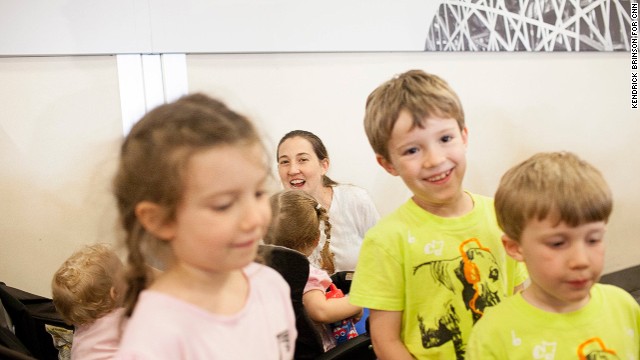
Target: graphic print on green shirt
x=476, y=276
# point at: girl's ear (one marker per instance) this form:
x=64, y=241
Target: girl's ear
x=512, y=248
x=153, y=218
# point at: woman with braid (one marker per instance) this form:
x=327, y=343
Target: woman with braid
x=191, y=192
x=296, y=222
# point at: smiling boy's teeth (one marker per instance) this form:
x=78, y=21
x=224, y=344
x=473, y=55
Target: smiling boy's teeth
x=439, y=177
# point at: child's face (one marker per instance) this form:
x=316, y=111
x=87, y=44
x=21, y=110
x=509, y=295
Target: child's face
x=430, y=160
x=299, y=167
x=224, y=211
x=563, y=262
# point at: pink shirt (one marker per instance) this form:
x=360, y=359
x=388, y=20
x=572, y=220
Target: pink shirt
x=320, y=280
x=98, y=340
x=164, y=327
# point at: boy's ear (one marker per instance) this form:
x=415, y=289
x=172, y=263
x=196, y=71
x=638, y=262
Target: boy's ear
x=512, y=248
x=465, y=135
x=153, y=217
x=387, y=165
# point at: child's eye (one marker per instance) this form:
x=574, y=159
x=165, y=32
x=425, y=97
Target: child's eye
x=260, y=194
x=594, y=241
x=411, y=151
x=446, y=138
x=221, y=207
x=556, y=244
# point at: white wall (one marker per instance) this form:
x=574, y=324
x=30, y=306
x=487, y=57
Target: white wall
x=516, y=104
x=68, y=27
x=60, y=126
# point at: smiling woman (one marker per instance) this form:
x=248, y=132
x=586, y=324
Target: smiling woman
x=303, y=163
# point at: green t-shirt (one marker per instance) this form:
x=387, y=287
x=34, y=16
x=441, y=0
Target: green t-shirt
x=440, y=272
x=608, y=327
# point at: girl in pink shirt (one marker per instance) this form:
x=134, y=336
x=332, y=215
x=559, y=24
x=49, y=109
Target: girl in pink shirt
x=296, y=225
x=191, y=191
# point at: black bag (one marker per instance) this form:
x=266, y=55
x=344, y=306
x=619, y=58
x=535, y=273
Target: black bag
x=11, y=347
x=29, y=314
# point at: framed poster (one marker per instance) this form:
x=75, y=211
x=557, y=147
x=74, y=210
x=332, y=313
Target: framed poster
x=66, y=27
x=530, y=25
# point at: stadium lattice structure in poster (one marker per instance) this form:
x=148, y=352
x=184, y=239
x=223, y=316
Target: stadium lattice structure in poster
x=530, y=25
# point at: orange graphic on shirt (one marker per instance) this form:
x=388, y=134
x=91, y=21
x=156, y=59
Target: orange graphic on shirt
x=601, y=353
x=472, y=272
x=475, y=276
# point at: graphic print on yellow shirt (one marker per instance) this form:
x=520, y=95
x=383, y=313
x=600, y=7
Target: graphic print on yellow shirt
x=586, y=351
x=475, y=276
x=414, y=262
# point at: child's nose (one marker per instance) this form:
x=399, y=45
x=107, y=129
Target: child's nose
x=433, y=157
x=255, y=215
x=579, y=256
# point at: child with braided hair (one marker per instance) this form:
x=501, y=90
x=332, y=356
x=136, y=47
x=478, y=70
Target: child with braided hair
x=296, y=225
x=191, y=192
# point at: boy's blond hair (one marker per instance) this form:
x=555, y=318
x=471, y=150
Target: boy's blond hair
x=423, y=95
x=557, y=184
x=82, y=285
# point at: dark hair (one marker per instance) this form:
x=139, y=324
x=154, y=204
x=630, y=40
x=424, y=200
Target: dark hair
x=153, y=161
x=318, y=148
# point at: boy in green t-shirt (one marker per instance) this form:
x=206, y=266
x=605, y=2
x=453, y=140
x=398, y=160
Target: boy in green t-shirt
x=428, y=271
x=554, y=208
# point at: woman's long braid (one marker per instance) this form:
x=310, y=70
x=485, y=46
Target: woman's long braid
x=326, y=256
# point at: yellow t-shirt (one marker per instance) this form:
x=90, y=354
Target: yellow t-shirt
x=440, y=272
x=608, y=327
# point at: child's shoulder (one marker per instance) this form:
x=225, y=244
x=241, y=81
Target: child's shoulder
x=257, y=270
x=614, y=295
x=397, y=216
x=481, y=199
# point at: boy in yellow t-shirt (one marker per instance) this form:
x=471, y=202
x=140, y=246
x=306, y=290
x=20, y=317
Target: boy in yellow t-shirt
x=554, y=208
x=428, y=271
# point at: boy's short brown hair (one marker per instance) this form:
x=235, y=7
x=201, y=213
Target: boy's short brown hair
x=558, y=184
x=82, y=285
x=421, y=94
